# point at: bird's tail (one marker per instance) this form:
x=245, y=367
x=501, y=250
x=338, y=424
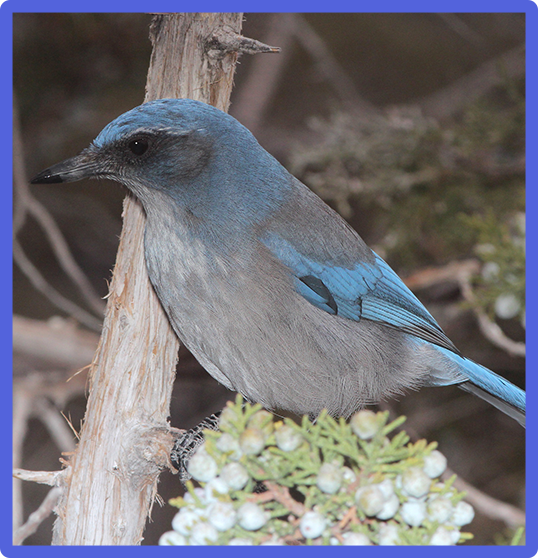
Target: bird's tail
x=489, y=386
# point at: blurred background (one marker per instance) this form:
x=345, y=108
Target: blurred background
x=412, y=126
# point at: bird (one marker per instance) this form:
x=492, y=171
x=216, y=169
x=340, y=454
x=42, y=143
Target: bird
x=270, y=289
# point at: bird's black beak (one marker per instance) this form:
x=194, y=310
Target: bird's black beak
x=85, y=165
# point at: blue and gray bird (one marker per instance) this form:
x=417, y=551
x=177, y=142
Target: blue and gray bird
x=271, y=290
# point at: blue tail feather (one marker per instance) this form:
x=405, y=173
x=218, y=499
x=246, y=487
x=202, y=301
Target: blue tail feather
x=489, y=386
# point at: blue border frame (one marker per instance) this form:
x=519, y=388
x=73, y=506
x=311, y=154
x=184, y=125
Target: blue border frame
x=530, y=7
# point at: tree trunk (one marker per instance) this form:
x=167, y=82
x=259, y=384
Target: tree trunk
x=125, y=440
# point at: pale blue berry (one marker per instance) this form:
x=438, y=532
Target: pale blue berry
x=490, y=271
x=274, y=541
x=252, y=441
x=222, y=515
x=227, y=418
x=287, y=438
x=388, y=534
x=229, y=445
x=441, y=537
x=356, y=539
x=387, y=488
x=434, y=464
x=329, y=478
x=200, y=494
x=312, y=525
x=172, y=538
x=251, y=516
x=415, y=482
x=389, y=509
x=202, y=467
x=184, y=520
x=215, y=488
x=348, y=475
x=203, y=533
x=365, y=424
x=370, y=499
x=237, y=541
x=507, y=306
x=413, y=513
x=262, y=420
x=235, y=475
x=440, y=509
x=463, y=514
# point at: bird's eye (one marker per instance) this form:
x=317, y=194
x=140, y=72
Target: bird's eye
x=138, y=146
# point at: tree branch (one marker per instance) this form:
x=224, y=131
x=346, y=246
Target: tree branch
x=36, y=518
x=126, y=440
x=27, y=203
x=458, y=94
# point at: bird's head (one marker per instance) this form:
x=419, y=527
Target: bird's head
x=181, y=147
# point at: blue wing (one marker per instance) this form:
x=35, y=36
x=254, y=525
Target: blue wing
x=369, y=291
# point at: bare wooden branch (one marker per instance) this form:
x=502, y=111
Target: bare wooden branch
x=262, y=81
x=330, y=68
x=226, y=40
x=36, y=518
x=21, y=412
x=25, y=204
x=490, y=329
x=466, y=32
x=52, y=478
x=45, y=288
x=56, y=341
x=430, y=276
x=458, y=94
x=59, y=430
x=125, y=440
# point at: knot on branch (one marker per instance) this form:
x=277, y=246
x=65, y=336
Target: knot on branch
x=225, y=40
x=146, y=453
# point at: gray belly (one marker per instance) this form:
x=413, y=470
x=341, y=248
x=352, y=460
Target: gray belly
x=243, y=321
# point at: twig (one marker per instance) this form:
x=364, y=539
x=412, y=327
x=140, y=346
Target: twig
x=458, y=94
x=489, y=329
x=282, y=495
x=56, y=425
x=465, y=31
x=349, y=517
x=44, y=341
x=330, y=68
x=27, y=203
x=254, y=96
x=63, y=254
x=52, y=478
x=39, y=283
x=36, y=518
x=430, y=276
x=461, y=273
x=56, y=341
x=226, y=40
x=19, y=209
x=21, y=411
